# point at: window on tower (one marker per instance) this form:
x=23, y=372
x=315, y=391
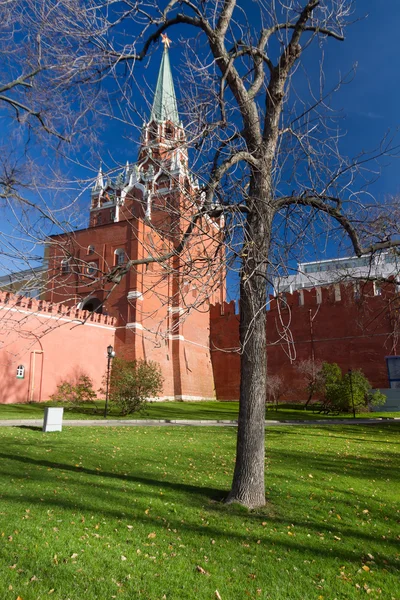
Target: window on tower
x=169, y=131
x=153, y=131
x=65, y=266
x=91, y=268
x=119, y=257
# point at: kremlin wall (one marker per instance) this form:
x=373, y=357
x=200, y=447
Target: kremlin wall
x=55, y=342
x=338, y=323
x=42, y=344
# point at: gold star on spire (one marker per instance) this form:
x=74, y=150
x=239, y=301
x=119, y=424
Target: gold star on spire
x=165, y=40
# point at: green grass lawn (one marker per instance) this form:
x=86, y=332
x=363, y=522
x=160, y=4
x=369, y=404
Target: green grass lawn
x=104, y=513
x=172, y=410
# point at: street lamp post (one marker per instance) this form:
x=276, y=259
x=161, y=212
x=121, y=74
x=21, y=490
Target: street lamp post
x=110, y=356
x=351, y=392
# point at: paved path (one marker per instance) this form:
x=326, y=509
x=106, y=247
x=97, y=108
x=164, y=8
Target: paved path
x=193, y=423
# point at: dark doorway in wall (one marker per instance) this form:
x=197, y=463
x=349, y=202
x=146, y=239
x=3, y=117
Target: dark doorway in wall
x=93, y=305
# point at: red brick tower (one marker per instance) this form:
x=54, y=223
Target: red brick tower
x=161, y=304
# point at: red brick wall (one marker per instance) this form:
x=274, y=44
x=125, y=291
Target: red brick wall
x=356, y=334
x=50, y=343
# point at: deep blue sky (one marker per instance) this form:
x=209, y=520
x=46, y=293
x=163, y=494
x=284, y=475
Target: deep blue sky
x=369, y=105
x=371, y=101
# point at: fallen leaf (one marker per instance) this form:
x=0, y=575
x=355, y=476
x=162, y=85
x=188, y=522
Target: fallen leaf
x=152, y=535
x=366, y=568
x=74, y=555
x=123, y=557
x=218, y=595
x=130, y=527
x=201, y=570
x=33, y=578
x=310, y=476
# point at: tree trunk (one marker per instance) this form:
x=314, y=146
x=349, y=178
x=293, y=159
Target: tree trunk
x=310, y=395
x=248, y=487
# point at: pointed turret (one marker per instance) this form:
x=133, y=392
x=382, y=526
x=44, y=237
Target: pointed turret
x=164, y=105
x=99, y=184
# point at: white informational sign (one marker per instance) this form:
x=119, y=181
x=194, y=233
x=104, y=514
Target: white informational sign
x=53, y=419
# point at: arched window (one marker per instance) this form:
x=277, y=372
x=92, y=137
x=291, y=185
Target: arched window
x=90, y=249
x=20, y=372
x=119, y=257
x=169, y=131
x=65, y=266
x=153, y=131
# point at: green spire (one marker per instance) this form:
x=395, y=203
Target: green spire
x=164, y=104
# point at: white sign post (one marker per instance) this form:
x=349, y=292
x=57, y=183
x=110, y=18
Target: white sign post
x=53, y=419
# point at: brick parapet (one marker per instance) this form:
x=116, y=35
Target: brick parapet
x=222, y=309
x=56, y=309
x=356, y=332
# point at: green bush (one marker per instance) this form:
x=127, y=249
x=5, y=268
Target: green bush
x=133, y=382
x=343, y=393
x=77, y=390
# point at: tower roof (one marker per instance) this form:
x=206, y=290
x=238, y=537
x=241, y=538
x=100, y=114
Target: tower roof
x=164, y=104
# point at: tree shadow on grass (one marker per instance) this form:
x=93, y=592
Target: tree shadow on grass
x=271, y=538
x=198, y=491
x=110, y=496
x=335, y=431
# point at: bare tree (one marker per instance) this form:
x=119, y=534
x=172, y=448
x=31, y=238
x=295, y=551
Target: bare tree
x=310, y=369
x=275, y=389
x=267, y=155
x=279, y=153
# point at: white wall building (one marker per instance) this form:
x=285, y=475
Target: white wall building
x=325, y=272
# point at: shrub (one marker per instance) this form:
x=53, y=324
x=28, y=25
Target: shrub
x=343, y=393
x=77, y=390
x=133, y=382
